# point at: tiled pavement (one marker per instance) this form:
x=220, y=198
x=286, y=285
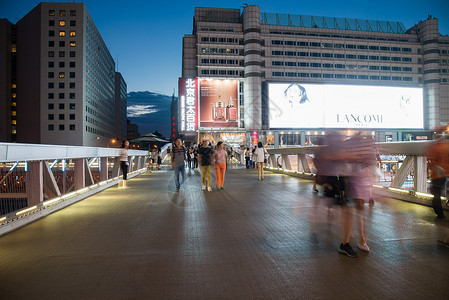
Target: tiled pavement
x=250, y=241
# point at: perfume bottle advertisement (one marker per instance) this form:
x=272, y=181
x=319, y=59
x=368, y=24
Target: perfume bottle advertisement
x=218, y=103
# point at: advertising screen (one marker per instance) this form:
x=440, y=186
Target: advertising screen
x=219, y=105
x=344, y=106
x=188, y=104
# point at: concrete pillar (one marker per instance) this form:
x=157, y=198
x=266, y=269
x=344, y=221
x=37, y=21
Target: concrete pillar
x=303, y=138
x=34, y=183
x=103, y=168
x=420, y=174
x=80, y=174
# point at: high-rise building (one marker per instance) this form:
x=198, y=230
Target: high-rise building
x=265, y=51
x=7, y=81
x=121, y=96
x=66, y=79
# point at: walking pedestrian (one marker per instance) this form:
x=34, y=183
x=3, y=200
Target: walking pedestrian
x=220, y=157
x=260, y=159
x=205, y=154
x=189, y=158
x=247, y=157
x=438, y=157
x=124, y=163
x=178, y=159
x=159, y=158
x=195, y=158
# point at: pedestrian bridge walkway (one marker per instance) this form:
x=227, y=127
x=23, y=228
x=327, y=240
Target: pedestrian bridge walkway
x=250, y=241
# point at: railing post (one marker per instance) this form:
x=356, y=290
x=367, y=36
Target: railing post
x=402, y=173
x=305, y=163
x=34, y=183
x=273, y=161
x=80, y=174
x=286, y=160
x=104, y=169
x=116, y=167
x=420, y=174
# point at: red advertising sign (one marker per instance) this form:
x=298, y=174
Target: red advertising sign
x=219, y=105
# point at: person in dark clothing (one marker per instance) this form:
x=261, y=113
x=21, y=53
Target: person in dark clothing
x=178, y=159
x=205, y=154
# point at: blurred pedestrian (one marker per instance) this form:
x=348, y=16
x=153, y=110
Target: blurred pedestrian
x=178, y=159
x=189, y=158
x=124, y=163
x=220, y=157
x=159, y=158
x=260, y=154
x=195, y=158
x=438, y=157
x=205, y=154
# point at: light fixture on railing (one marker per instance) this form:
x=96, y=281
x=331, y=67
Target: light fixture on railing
x=26, y=210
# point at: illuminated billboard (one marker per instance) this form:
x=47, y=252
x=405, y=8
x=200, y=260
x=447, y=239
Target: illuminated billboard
x=344, y=106
x=188, y=104
x=219, y=105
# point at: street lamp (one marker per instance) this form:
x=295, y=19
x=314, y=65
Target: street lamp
x=113, y=141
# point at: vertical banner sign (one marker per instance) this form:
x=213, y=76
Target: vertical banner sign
x=254, y=138
x=188, y=104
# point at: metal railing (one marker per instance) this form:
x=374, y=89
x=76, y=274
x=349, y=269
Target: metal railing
x=36, y=180
x=404, y=168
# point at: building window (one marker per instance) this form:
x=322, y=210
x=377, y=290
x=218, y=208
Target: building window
x=327, y=55
x=205, y=72
x=73, y=13
x=72, y=64
x=51, y=33
x=290, y=64
x=61, y=116
x=61, y=43
x=385, y=68
x=51, y=22
x=72, y=106
x=339, y=45
x=374, y=77
x=51, y=75
x=72, y=23
x=340, y=66
x=349, y=46
x=339, y=55
x=351, y=56
x=277, y=42
x=315, y=65
x=72, y=74
x=51, y=127
x=384, y=48
x=395, y=49
x=51, y=43
x=351, y=76
x=62, y=13
x=61, y=64
x=315, y=54
x=72, y=33
x=328, y=75
x=61, y=95
x=408, y=59
x=385, y=78
x=51, y=12
x=364, y=77
x=363, y=56
x=51, y=95
x=303, y=64
x=51, y=117
x=328, y=66
x=407, y=78
x=278, y=74
x=277, y=63
x=51, y=85
x=51, y=64
x=61, y=74
x=303, y=53
x=72, y=53
x=61, y=53
x=61, y=85
x=407, y=69
x=341, y=76
x=315, y=75
x=290, y=74
x=72, y=44
x=363, y=47
x=51, y=106
x=290, y=43
x=396, y=69
x=72, y=126
x=290, y=53
x=374, y=47
x=72, y=116
x=304, y=44
x=277, y=52
x=303, y=74
x=61, y=127
x=384, y=58
x=406, y=50
x=395, y=78
x=395, y=58
x=72, y=85
x=374, y=67
x=51, y=53
x=62, y=23
x=62, y=33
x=61, y=106
x=72, y=95
x=313, y=44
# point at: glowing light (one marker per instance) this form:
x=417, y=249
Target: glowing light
x=398, y=190
x=46, y=203
x=26, y=210
x=2, y=219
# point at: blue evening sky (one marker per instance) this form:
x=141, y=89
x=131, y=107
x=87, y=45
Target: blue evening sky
x=146, y=36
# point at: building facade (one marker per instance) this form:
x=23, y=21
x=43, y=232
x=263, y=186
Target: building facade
x=7, y=81
x=67, y=91
x=260, y=50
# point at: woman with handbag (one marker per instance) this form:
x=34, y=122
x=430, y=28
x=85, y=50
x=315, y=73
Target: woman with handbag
x=260, y=159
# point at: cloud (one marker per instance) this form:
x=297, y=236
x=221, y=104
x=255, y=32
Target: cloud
x=141, y=110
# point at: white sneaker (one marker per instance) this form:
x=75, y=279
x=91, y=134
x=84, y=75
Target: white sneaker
x=203, y=188
x=363, y=247
x=209, y=189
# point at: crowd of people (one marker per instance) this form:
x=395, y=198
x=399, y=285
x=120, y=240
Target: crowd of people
x=345, y=170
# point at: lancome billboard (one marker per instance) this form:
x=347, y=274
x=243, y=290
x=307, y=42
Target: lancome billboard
x=344, y=106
